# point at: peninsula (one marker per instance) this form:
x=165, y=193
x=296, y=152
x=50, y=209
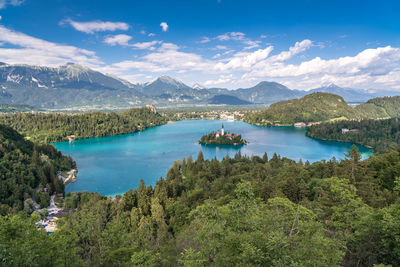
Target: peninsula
x=222, y=138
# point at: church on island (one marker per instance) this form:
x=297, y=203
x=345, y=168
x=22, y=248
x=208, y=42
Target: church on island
x=222, y=138
x=222, y=133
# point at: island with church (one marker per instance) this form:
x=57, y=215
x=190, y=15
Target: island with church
x=222, y=138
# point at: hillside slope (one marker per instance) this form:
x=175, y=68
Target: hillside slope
x=380, y=108
x=28, y=171
x=310, y=108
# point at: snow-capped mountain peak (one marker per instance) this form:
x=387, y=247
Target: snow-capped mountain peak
x=198, y=86
x=167, y=80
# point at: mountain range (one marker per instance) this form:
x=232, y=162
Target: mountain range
x=73, y=85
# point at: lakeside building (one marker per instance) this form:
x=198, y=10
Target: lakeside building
x=300, y=125
x=71, y=138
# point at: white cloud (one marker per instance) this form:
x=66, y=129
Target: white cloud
x=374, y=62
x=151, y=34
x=164, y=26
x=239, y=36
x=119, y=39
x=146, y=45
x=166, y=58
x=223, y=37
x=168, y=47
x=371, y=68
x=127, y=66
x=143, y=32
x=5, y=3
x=205, y=40
x=35, y=51
x=97, y=26
x=223, y=79
x=251, y=44
x=1, y=17
x=244, y=61
x=379, y=68
x=294, y=50
x=220, y=47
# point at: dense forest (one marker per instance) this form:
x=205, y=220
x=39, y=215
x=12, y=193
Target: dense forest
x=318, y=107
x=379, y=134
x=27, y=171
x=380, y=108
x=54, y=127
x=240, y=211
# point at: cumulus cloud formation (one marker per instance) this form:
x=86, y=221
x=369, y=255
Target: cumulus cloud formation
x=223, y=79
x=91, y=27
x=373, y=62
x=244, y=61
x=164, y=26
x=377, y=67
x=373, y=68
x=119, y=39
x=35, y=51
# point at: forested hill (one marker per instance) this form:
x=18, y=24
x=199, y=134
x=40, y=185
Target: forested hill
x=382, y=135
x=380, y=108
x=318, y=107
x=310, y=108
x=28, y=171
x=240, y=211
x=54, y=127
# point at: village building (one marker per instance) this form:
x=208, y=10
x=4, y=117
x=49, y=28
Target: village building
x=300, y=125
x=71, y=138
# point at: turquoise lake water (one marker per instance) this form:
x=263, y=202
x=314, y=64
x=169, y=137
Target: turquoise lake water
x=113, y=165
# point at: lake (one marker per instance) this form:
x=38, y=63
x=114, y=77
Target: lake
x=115, y=164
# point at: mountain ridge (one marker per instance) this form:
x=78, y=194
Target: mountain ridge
x=73, y=85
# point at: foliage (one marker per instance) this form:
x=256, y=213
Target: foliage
x=232, y=139
x=319, y=107
x=28, y=171
x=382, y=135
x=241, y=211
x=310, y=108
x=381, y=107
x=55, y=127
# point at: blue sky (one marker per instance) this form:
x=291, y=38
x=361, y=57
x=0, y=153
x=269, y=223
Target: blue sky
x=226, y=43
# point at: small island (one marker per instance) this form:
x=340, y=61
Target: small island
x=222, y=138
